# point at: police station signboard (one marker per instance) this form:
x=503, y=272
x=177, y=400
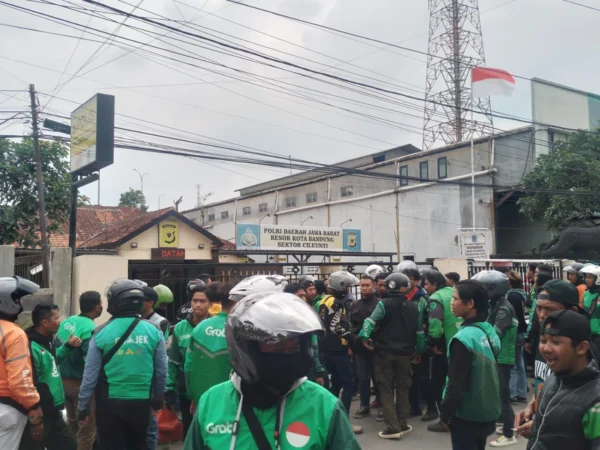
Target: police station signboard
x=474, y=243
x=290, y=237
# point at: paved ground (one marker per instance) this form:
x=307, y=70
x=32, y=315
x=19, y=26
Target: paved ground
x=419, y=439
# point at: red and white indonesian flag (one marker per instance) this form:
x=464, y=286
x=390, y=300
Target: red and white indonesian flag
x=486, y=82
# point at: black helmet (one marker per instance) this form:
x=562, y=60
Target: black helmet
x=11, y=291
x=397, y=284
x=496, y=283
x=124, y=296
x=192, y=284
x=268, y=317
x=434, y=277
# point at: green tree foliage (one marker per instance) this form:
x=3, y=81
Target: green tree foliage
x=571, y=166
x=134, y=198
x=19, y=220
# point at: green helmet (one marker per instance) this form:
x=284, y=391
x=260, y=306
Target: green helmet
x=165, y=296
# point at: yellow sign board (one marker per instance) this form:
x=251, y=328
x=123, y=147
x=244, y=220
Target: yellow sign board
x=83, y=134
x=168, y=233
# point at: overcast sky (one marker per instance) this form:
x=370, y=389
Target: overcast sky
x=549, y=39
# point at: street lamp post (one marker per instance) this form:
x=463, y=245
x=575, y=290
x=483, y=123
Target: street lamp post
x=141, y=178
x=306, y=220
x=268, y=215
x=345, y=221
x=161, y=195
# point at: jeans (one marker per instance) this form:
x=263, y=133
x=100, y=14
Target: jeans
x=463, y=438
x=153, y=433
x=508, y=415
x=518, y=374
x=85, y=436
x=366, y=373
x=339, y=366
x=439, y=373
x=56, y=435
x=393, y=374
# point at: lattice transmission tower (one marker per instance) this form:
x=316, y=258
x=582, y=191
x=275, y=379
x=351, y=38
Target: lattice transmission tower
x=455, y=47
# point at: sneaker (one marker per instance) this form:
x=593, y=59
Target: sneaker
x=430, y=415
x=390, y=433
x=415, y=412
x=362, y=412
x=379, y=417
x=375, y=404
x=437, y=427
x=504, y=441
x=405, y=430
x=513, y=400
x=521, y=400
x=357, y=429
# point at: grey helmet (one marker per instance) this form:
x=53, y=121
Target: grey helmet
x=270, y=318
x=303, y=278
x=575, y=267
x=340, y=281
x=496, y=283
x=12, y=289
x=405, y=265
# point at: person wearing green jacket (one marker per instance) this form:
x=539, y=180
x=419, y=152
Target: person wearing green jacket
x=71, y=368
x=182, y=333
x=591, y=297
x=46, y=359
x=442, y=326
x=503, y=318
x=269, y=403
x=471, y=402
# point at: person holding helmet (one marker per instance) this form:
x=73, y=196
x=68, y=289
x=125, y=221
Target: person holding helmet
x=590, y=300
x=71, y=368
x=126, y=367
x=442, y=326
x=19, y=399
x=503, y=318
x=399, y=340
x=148, y=308
x=269, y=403
x=177, y=387
x=576, y=279
x=334, y=311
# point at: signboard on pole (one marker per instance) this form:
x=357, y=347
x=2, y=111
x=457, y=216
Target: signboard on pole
x=474, y=243
x=289, y=237
x=93, y=135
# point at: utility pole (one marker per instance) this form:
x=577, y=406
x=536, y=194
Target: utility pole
x=40, y=186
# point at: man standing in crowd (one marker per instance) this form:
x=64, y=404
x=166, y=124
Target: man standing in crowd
x=321, y=292
x=517, y=297
x=180, y=342
x=554, y=295
x=271, y=358
x=334, y=313
x=401, y=336
x=202, y=280
x=503, y=318
x=420, y=378
x=471, y=402
x=532, y=334
x=311, y=291
x=362, y=310
x=577, y=279
x=568, y=415
x=297, y=289
x=380, y=284
x=71, y=367
x=442, y=327
x=148, y=313
x=452, y=278
x=590, y=300
x=19, y=399
x=45, y=358
x=127, y=368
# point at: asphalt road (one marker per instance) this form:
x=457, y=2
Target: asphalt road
x=418, y=439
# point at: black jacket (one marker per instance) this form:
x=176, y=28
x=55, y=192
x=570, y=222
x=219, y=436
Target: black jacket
x=398, y=328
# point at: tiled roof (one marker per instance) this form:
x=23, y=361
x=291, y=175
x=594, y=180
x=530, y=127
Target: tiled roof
x=91, y=220
x=227, y=245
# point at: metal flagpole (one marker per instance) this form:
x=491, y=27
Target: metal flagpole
x=472, y=154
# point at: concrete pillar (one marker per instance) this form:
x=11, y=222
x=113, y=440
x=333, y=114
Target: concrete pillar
x=60, y=279
x=7, y=260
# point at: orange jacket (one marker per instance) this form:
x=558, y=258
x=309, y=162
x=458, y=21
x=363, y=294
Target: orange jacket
x=16, y=376
x=581, y=288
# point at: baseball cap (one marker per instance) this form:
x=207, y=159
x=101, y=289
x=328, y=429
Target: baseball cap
x=561, y=292
x=568, y=324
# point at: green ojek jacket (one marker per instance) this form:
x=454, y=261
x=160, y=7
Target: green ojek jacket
x=442, y=322
x=82, y=327
x=503, y=318
x=128, y=375
x=590, y=304
x=180, y=342
x=312, y=419
x=481, y=403
x=207, y=360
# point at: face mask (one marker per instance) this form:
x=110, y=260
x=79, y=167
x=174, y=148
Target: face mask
x=281, y=370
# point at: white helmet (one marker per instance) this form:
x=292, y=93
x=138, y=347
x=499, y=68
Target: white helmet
x=257, y=283
x=405, y=265
x=373, y=270
x=592, y=269
x=11, y=291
